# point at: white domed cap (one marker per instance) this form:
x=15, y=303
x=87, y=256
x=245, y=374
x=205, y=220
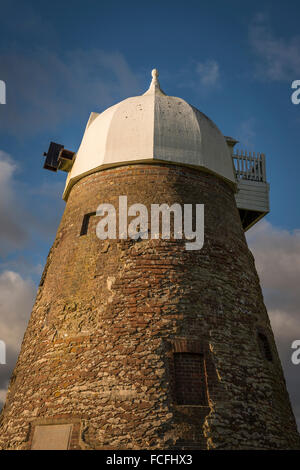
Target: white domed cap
x=149, y=128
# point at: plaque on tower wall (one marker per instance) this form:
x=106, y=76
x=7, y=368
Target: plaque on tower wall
x=52, y=437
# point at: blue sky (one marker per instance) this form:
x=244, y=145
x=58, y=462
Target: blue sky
x=60, y=62
x=233, y=60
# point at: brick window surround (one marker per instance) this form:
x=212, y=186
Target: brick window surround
x=192, y=372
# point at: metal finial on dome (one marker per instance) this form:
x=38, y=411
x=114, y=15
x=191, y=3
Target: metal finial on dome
x=154, y=85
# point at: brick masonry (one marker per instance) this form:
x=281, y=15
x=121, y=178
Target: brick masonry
x=110, y=316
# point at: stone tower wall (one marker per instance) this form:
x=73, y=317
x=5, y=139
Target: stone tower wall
x=117, y=325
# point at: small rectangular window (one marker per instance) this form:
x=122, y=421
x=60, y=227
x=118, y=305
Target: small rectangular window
x=190, y=381
x=85, y=223
x=265, y=346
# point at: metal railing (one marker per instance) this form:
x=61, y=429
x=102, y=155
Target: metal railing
x=250, y=166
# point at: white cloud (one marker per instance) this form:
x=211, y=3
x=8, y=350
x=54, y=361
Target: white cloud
x=208, y=72
x=16, y=299
x=12, y=234
x=246, y=134
x=279, y=58
x=22, y=214
x=277, y=254
x=202, y=77
x=2, y=395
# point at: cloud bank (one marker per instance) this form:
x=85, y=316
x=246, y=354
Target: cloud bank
x=208, y=72
x=45, y=88
x=12, y=234
x=22, y=210
x=16, y=301
x=277, y=257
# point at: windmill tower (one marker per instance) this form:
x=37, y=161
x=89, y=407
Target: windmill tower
x=140, y=344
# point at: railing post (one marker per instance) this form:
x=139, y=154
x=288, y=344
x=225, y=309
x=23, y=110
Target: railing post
x=243, y=163
x=258, y=160
x=263, y=160
x=254, y=159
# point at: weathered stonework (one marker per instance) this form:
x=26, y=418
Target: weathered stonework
x=110, y=315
